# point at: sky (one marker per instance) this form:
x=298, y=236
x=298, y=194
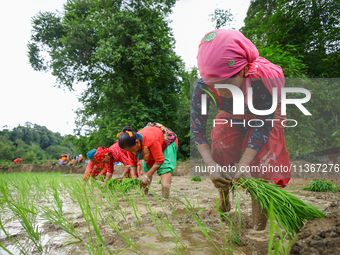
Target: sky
x=30, y=96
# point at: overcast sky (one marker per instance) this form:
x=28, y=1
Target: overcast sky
x=27, y=95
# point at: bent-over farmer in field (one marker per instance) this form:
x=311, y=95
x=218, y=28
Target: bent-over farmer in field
x=158, y=146
x=102, y=162
x=228, y=57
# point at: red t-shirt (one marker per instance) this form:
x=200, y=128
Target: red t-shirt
x=153, y=145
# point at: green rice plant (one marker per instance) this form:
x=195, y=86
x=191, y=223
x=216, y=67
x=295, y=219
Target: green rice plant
x=166, y=221
x=18, y=244
x=201, y=225
x=27, y=219
x=101, y=178
x=124, y=186
x=289, y=212
x=57, y=200
x=93, y=217
x=280, y=246
x=196, y=179
x=112, y=184
x=62, y=222
x=322, y=186
x=133, y=203
x=128, y=184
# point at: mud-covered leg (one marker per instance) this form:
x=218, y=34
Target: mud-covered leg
x=224, y=202
x=145, y=188
x=166, y=184
x=222, y=185
x=259, y=216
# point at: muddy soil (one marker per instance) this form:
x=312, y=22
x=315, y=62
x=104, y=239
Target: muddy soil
x=182, y=168
x=320, y=236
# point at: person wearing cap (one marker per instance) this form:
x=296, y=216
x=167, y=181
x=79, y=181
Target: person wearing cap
x=81, y=159
x=228, y=57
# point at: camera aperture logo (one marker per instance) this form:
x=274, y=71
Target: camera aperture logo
x=238, y=104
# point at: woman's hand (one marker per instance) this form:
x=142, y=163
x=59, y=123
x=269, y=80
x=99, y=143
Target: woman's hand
x=241, y=173
x=217, y=176
x=145, y=180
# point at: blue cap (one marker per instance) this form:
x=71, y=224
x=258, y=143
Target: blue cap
x=91, y=153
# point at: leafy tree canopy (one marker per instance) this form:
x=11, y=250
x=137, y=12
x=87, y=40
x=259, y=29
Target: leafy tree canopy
x=123, y=53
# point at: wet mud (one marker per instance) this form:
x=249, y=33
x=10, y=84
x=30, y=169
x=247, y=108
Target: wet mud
x=320, y=236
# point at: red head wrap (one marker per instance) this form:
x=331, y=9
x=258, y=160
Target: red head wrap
x=100, y=154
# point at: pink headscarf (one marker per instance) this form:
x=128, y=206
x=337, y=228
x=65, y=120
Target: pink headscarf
x=224, y=53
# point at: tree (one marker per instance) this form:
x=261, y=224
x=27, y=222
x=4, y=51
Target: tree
x=5, y=152
x=39, y=142
x=310, y=26
x=307, y=33
x=29, y=157
x=123, y=51
x=303, y=38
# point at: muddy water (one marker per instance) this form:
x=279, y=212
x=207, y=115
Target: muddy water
x=201, y=195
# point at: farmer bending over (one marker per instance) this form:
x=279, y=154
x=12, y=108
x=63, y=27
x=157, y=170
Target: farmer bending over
x=228, y=57
x=102, y=162
x=157, y=145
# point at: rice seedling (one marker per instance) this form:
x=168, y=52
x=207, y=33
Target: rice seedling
x=27, y=219
x=62, y=222
x=289, y=212
x=201, y=225
x=196, y=179
x=57, y=200
x=18, y=244
x=280, y=246
x=166, y=221
x=322, y=186
x=128, y=184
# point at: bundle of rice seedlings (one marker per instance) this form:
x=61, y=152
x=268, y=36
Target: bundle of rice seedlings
x=123, y=185
x=322, y=186
x=289, y=212
x=112, y=183
x=128, y=184
x=196, y=179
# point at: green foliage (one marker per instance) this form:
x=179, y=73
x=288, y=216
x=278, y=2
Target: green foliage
x=301, y=37
x=5, y=152
x=33, y=143
x=322, y=186
x=29, y=157
x=123, y=186
x=123, y=52
x=306, y=157
x=196, y=179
